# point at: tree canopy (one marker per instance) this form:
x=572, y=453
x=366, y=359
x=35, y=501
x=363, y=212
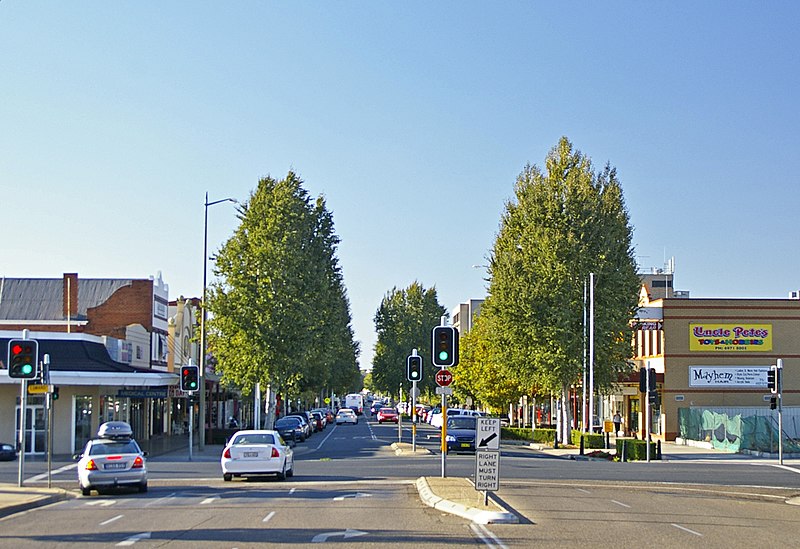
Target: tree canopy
x=280, y=312
x=564, y=223
x=404, y=322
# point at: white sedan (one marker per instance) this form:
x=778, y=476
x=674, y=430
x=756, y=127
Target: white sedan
x=346, y=415
x=257, y=452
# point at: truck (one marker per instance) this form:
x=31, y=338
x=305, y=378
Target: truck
x=355, y=401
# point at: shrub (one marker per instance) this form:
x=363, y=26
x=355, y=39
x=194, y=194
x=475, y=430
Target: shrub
x=635, y=449
x=590, y=440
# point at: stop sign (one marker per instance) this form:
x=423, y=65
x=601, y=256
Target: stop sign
x=443, y=378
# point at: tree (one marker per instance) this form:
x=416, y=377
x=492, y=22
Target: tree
x=280, y=313
x=404, y=322
x=564, y=223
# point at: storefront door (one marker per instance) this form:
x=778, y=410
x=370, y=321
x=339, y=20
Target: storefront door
x=35, y=429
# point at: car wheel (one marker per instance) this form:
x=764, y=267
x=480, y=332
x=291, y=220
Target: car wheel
x=282, y=474
x=86, y=491
x=290, y=472
x=227, y=477
x=143, y=488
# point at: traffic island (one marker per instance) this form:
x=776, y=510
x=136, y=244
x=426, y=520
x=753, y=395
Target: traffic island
x=458, y=496
x=406, y=449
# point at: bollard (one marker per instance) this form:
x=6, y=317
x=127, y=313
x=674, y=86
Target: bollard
x=582, y=445
x=622, y=459
x=658, y=450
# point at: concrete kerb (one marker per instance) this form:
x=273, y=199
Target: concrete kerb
x=473, y=514
x=14, y=499
x=404, y=448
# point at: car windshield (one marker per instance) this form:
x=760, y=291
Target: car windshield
x=254, y=438
x=461, y=423
x=287, y=422
x=345, y=412
x=387, y=411
x=105, y=447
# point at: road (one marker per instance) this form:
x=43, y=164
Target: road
x=351, y=489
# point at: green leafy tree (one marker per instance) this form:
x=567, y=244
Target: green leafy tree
x=564, y=223
x=404, y=322
x=280, y=313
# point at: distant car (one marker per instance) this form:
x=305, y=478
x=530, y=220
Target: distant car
x=7, y=452
x=436, y=420
x=257, y=452
x=346, y=415
x=461, y=430
x=111, y=460
x=291, y=428
x=325, y=416
x=387, y=414
x=376, y=406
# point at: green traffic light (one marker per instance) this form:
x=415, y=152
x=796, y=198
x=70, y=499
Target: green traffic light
x=27, y=369
x=443, y=355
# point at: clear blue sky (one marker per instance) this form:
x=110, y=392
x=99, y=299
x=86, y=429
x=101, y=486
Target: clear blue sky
x=412, y=118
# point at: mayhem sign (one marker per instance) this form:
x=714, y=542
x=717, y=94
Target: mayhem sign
x=730, y=337
x=728, y=376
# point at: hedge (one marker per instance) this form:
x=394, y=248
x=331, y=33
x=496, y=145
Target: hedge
x=636, y=450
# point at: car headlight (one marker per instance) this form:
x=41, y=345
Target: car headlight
x=450, y=438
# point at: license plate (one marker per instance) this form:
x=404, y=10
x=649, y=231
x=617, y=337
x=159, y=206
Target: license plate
x=465, y=444
x=250, y=454
x=114, y=466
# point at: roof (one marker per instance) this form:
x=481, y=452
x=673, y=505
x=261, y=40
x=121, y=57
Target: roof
x=43, y=298
x=76, y=355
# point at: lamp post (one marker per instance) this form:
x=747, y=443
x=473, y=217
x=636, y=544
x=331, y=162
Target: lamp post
x=202, y=409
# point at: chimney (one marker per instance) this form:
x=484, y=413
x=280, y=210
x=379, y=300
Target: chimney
x=70, y=293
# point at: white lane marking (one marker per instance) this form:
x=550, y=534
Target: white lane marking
x=487, y=537
x=109, y=521
x=620, y=504
x=346, y=534
x=209, y=500
x=582, y=490
x=324, y=440
x=43, y=476
x=679, y=527
x=133, y=539
x=371, y=432
x=292, y=491
x=269, y=516
x=784, y=467
x=164, y=499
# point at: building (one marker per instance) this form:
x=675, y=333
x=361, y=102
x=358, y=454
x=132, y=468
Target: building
x=463, y=316
x=108, y=343
x=710, y=356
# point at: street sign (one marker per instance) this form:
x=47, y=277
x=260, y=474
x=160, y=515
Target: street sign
x=444, y=391
x=443, y=377
x=38, y=389
x=487, y=436
x=487, y=470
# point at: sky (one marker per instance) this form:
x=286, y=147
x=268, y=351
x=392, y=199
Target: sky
x=413, y=119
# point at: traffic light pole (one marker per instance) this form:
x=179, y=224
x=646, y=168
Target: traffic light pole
x=191, y=423
x=23, y=405
x=648, y=413
x=779, y=382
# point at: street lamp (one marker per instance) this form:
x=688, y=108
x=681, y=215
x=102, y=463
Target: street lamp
x=202, y=415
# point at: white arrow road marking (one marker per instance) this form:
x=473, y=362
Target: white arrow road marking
x=133, y=539
x=621, y=504
x=356, y=495
x=292, y=491
x=109, y=521
x=582, y=490
x=487, y=537
x=209, y=500
x=269, y=516
x=101, y=502
x=322, y=538
x=43, y=476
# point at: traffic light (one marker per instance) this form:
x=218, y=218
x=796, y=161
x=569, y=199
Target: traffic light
x=190, y=378
x=445, y=346
x=414, y=368
x=773, y=403
x=642, y=380
x=772, y=379
x=23, y=355
x=55, y=393
x=652, y=396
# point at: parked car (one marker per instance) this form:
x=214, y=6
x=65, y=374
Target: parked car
x=324, y=413
x=461, y=430
x=290, y=429
x=111, y=460
x=319, y=422
x=306, y=423
x=7, y=452
x=257, y=452
x=387, y=414
x=346, y=415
